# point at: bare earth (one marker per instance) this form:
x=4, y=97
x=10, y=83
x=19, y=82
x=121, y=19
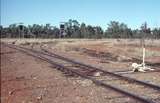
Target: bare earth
x=25, y=79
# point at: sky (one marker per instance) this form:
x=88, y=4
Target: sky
x=93, y=12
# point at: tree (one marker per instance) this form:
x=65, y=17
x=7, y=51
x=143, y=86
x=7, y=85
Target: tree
x=98, y=32
x=1, y=31
x=90, y=32
x=13, y=31
x=83, y=31
x=156, y=33
x=145, y=31
x=75, y=30
x=118, y=30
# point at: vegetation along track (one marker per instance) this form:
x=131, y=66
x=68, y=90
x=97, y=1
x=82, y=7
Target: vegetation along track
x=147, y=93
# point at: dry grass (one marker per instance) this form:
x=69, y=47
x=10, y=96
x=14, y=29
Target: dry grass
x=69, y=43
x=115, y=41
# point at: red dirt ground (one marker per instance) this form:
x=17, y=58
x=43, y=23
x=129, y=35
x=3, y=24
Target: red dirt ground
x=25, y=79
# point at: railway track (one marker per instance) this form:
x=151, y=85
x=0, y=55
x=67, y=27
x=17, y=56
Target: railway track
x=148, y=93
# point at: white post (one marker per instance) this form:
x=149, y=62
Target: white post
x=143, y=58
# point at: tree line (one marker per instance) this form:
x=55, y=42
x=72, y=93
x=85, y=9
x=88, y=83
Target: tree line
x=73, y=29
